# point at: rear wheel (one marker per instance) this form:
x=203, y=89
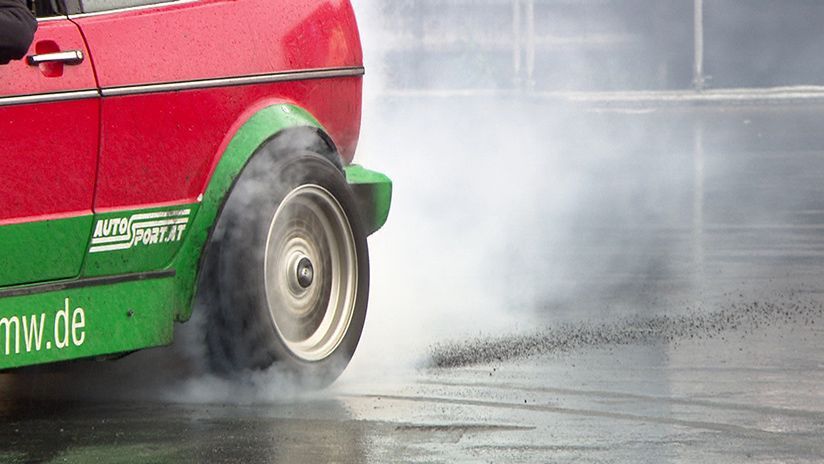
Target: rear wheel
x=288, y=271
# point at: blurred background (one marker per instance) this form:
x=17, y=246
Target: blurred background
x=547, y=46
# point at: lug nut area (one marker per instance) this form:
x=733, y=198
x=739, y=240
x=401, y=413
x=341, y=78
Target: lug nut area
x=305, y=273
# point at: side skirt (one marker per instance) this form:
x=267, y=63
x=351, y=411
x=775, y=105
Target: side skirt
x=87, y=317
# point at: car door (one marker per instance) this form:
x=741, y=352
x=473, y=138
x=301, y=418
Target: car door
x=49, y=134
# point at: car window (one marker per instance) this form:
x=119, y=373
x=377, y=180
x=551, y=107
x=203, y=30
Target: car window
x=95, y=6
x=46, y=8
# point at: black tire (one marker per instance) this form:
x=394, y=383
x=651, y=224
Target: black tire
x=273, y=277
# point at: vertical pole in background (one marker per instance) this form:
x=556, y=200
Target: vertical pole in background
x=516, y=44
x=530, y=45
x=698, y=203
x=698, y=80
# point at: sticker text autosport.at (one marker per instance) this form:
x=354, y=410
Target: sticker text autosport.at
x=44, y=331
x=142, y=229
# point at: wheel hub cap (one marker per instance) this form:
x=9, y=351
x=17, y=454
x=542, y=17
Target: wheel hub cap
x=311, y=272
x=305, y=273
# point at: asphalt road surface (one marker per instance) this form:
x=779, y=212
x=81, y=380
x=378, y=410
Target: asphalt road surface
x=555, y=285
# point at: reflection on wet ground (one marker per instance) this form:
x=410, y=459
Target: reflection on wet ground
x=743, y=397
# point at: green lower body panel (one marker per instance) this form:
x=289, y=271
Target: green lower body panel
x=43, y=250
x=85, y=318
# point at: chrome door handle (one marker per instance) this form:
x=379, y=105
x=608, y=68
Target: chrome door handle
x=68, y=57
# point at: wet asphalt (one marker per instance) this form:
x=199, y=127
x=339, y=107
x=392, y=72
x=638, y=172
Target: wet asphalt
x=556, y=284
x=739, y=397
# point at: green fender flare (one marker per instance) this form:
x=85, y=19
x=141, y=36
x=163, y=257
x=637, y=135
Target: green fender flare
x=260, y=127
x=373, y=192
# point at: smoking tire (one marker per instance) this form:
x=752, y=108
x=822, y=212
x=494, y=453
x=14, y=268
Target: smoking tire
x=288, y=271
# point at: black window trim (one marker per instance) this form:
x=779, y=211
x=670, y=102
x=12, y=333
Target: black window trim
x=75, y=13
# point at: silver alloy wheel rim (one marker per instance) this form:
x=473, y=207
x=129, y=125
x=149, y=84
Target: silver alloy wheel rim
x=310, y=241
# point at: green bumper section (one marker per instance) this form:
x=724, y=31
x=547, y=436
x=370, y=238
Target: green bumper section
x=373, y=192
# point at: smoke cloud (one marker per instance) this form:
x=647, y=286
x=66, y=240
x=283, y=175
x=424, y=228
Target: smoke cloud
x=576, y=175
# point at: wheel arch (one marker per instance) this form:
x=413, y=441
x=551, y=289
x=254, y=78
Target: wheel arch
x=280, y=128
